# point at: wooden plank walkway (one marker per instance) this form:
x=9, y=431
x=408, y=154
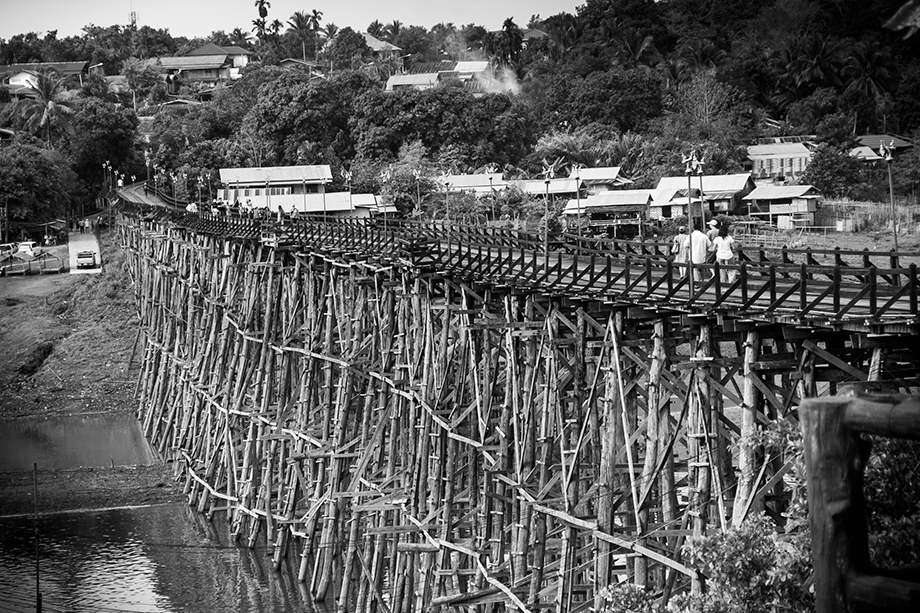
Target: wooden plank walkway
x=814, y=287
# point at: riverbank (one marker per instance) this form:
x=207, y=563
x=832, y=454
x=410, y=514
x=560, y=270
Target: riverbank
x=67, y=346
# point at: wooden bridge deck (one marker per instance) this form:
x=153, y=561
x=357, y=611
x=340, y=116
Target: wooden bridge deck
x=871, y=291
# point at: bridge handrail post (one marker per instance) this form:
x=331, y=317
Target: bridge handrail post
x=772, y=279
x=895, y=275
x=669, y=271
x=873, y=291
x=744, y=281
x=913, y=288
x=867, y=263
x=608, y=273
x=838, y=260
x=837, y=282
x=717, y=279
x=648, y=274
x=803, y=287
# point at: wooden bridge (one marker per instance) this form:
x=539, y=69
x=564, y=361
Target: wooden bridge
x=419, y=417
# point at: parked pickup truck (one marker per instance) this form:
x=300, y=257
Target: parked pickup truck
x=86, y=259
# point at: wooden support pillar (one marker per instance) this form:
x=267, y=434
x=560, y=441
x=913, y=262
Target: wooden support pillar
x=748, y=453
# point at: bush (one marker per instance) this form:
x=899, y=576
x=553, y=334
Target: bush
x=752, y=569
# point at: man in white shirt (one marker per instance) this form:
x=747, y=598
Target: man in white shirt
x=699, y=251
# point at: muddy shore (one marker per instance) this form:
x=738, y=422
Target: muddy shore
x=67, y=343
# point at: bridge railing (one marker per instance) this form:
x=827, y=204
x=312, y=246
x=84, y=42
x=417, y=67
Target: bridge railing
x=806, y=289
x=836, y=456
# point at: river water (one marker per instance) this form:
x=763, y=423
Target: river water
x=163, y=558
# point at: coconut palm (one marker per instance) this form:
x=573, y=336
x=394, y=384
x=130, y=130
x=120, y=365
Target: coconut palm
x=299, y=24
x=393, y=30
x=314, y=18
x=375, y=28
x=275, y=27
x=263, y=7
x=258, y=26
x=239, y=37
x=46, y=112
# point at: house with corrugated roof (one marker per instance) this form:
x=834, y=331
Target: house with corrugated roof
x=719, y=194
x=552, y=187
x=600, y=179
x=475, y=75
x=480, y=184
x=784, y=205
x=786, y=160
x=272, y=186
x=611, y=208
x=21, y=79
x=381, y=48
x=897, y=144
x=209, y=63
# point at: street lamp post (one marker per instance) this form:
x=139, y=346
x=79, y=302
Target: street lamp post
x=885, y=151
x=692, y=163
x=208, y=175
x=147, y=163
x=577, y=169
x=549, y=171
x=445, y=181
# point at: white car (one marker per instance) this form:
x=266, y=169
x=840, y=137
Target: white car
x=29, y=248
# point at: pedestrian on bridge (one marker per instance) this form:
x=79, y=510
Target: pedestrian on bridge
x=723, y=246
x=699, y=251
x=680, y=247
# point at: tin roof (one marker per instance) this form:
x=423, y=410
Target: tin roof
x=778, y=150
x=600, y=175
x=193, y=62
x=284, y=175
x=668, y=187
x=782, y=192
x=426, y=79
x=628, y=199
x=377, y=45
x=874, y=141
x=65, y=69
x=538, y=187
x=476, y=182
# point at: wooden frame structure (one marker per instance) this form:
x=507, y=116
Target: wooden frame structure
x=836, y=456
x=421, y=424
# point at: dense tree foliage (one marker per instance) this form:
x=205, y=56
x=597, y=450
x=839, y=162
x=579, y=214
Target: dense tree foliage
x=635, y=83
x=36, y=183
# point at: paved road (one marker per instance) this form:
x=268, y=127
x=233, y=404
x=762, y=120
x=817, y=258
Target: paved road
x=83, y=242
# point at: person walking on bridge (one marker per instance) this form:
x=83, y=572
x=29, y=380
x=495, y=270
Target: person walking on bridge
x=723, y=246
x=680, y=247
x=699, y=250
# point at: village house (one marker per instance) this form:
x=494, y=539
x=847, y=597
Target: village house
x=786, y=206
x=480, y=184
x=274, y=186
x=476, y=76
x=21, y=80
x=624, y=207
x=600, y=179
x=897, y=144
x=720, y=194
x=381, y=49
x=552, y=187
x=781, y=159
x=209, y=64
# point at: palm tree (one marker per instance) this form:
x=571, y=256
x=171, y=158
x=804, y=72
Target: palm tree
x=330, y=30
x=45, y=112
x=375, y=28
x=263, y=7
x=239, y=37
x=299, y=24
x=391, y=31
x=313, y=21
x=275, y=27
x=258, y=26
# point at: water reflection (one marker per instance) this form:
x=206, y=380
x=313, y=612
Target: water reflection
x=73, y=441
x=162, y=558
